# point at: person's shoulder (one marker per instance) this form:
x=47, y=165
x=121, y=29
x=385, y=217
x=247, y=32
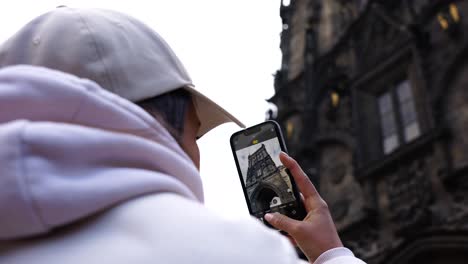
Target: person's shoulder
x=187, y=230
x=164, y=228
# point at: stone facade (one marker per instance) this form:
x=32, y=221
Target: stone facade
x=372, y=96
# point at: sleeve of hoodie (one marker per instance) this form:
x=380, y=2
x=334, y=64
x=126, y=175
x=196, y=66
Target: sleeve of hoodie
x=339, y=255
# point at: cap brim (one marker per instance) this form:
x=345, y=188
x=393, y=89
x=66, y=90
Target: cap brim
x=210, y=114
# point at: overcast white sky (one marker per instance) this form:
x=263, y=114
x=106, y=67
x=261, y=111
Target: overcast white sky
x=231, y=50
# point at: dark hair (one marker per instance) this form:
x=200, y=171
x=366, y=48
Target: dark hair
x=169, y=109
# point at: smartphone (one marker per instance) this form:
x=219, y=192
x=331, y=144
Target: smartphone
x=267, y=184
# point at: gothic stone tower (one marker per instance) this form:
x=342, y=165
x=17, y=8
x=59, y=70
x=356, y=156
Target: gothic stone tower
x=373, y=98
x=267, y=185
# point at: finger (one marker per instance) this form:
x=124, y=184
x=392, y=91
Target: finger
x=303, y=182
x=308, y=206
x=302, y=197
x=283, y=222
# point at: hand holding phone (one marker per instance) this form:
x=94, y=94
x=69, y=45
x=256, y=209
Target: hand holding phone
x=316, y=233
x=266, y=182
x=270, y=191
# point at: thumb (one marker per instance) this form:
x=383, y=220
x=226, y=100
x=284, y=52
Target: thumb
x=282, y=222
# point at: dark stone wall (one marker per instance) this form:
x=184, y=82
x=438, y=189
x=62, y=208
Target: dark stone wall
x=409, y=205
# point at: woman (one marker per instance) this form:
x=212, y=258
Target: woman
x=87, y=176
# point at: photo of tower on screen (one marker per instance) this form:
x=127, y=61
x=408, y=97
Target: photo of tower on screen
x=266, y=180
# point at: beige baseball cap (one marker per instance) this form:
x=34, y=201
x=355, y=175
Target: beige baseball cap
x=120, y=53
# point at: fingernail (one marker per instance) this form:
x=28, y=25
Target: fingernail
x=285, y=154
x=268, y=217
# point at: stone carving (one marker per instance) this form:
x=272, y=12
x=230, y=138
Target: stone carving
x=363, y=241
x=339, y=209
x=458, y=216
x=338, y=186
x=409, y=196
x=337, y=172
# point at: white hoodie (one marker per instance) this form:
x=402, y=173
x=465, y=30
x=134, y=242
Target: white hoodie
x=89, y=177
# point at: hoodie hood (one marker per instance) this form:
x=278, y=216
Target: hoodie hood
x=70, y=149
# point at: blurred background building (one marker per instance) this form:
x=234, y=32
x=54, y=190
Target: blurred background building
x=373, y=100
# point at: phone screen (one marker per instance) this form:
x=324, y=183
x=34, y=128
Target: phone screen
x=268, y=187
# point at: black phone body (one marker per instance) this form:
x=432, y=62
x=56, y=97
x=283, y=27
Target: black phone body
x=268, y=186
